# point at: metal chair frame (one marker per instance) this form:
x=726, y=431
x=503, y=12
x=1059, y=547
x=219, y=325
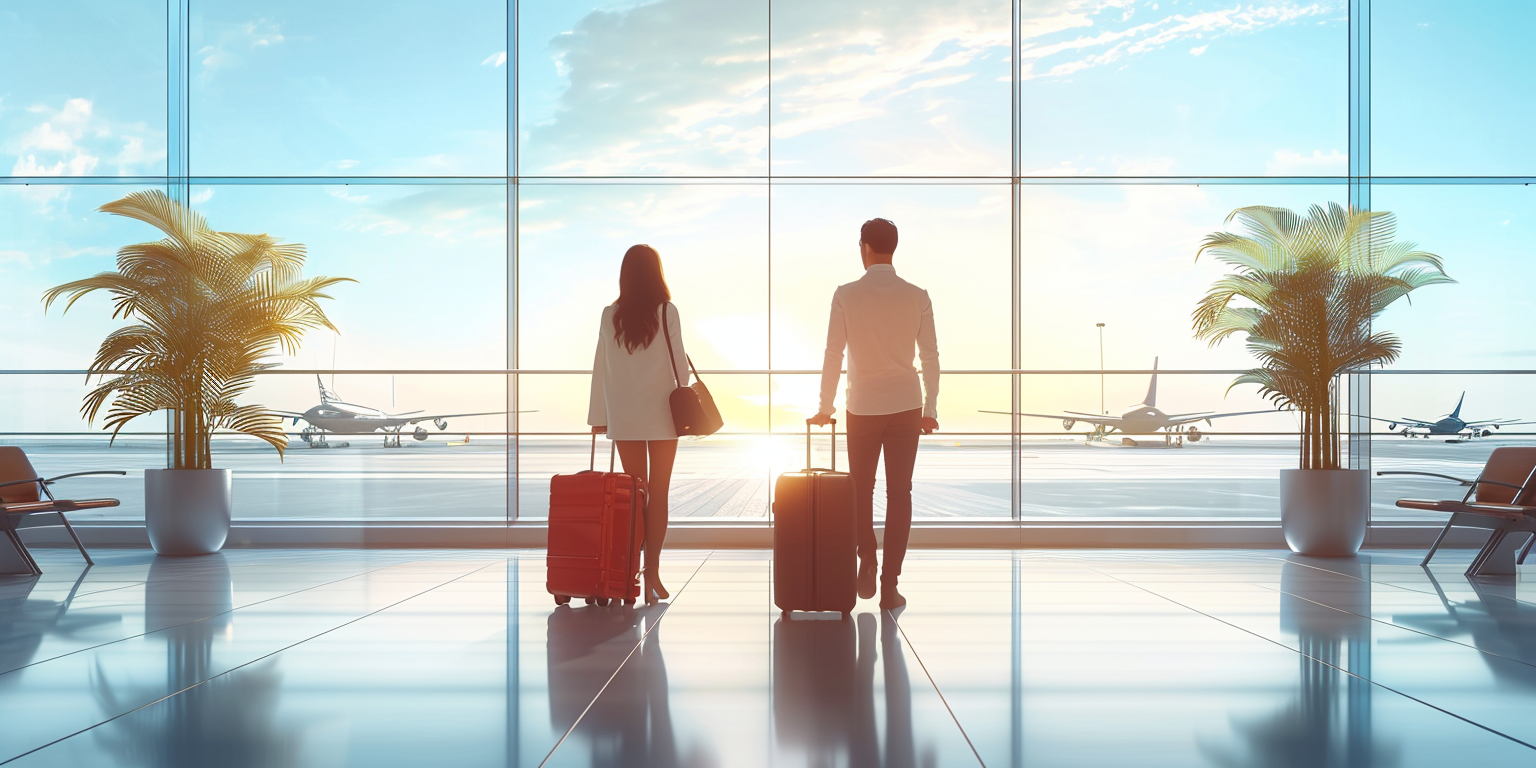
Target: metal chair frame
x=12, y=512
x=1498, y=518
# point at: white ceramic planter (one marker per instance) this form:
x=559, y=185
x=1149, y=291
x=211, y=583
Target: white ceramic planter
x=1324, y=512
x=187, y=511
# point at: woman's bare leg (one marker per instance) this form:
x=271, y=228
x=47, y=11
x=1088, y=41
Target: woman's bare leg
x=632, y=458
x=663, y=453
x=632, y=455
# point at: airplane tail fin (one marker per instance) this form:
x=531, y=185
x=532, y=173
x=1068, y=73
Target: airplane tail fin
x=1456, y=414
x=1151, y=399
x=326, y=396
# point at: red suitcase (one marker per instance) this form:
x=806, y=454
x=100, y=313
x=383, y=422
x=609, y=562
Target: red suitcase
x=595, y=532
x=815, y=552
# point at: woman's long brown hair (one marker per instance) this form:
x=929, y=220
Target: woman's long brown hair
x=642, y=288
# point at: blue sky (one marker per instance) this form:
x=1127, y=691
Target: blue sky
x=685, y=88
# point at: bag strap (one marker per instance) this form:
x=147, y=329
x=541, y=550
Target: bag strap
x=666, y=333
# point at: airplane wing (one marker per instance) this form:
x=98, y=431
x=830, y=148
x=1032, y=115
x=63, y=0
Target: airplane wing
x=1404, y=422
x=432, y=417
x=1497, y=423
x=1107, y=421
x=1185, y=418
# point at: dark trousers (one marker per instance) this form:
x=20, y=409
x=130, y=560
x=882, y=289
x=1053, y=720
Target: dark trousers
x=896, y=435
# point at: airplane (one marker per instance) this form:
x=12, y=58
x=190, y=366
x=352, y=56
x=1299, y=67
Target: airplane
x=1142, y=419
x=1452, y=426
x=334, y=416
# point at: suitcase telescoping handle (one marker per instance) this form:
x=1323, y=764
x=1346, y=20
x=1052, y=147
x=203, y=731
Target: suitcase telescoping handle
x=592, y=462
x=808, y=444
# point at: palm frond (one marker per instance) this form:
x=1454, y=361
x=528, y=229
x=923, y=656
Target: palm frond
x=1304, y=291
x=209, y=310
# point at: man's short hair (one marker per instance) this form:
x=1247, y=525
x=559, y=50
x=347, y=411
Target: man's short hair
x=880, y=234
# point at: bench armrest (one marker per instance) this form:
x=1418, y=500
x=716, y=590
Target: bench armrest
x=1456, y=480
x=52, y=480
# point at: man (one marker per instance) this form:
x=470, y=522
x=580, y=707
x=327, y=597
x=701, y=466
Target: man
x=880, y=319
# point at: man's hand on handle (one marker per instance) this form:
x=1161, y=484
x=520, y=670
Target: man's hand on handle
x=929, y=425
x=820, y=420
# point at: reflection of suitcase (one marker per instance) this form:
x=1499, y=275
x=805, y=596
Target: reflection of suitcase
x=583, y=649
x=816, y=696
x=814, y=544
x=595, y=533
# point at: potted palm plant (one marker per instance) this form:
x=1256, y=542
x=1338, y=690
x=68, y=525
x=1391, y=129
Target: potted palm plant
x=1304, y=289
x=208, y=309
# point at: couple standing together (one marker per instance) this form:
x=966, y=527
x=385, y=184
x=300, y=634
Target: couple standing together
x=879, y=319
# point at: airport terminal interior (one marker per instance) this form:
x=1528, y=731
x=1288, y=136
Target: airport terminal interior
x=1235, y=461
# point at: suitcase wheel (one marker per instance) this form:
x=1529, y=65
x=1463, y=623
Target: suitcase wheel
x=562, y=599
x=629, y=601
x=602, y=601
x=591, y=600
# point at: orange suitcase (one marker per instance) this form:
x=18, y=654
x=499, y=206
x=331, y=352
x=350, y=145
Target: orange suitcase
x=815, y=552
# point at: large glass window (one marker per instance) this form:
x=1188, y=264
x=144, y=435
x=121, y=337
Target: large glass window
x=84, y=89
x=479, y=169
x=1194, y=88
x=1451, y=88
x=670, y=88
x=348, y=88
x=881, y=89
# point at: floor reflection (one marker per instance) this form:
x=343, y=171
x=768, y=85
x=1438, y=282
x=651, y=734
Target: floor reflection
x=1328, y=721
x=25, y=620
x=1496, y=623
x=630, y=723
x=228, y=720
x=824, y=691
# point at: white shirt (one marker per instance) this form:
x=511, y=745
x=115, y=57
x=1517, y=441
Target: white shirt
x=881, y=318
x=631, y=391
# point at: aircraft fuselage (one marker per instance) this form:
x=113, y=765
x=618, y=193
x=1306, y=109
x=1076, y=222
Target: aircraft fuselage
x=1143, y=421
x=347, y=419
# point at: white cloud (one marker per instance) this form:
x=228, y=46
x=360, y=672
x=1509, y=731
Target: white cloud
x=1151, y=166
x=80, y=164
x=451, y=214
x=1288, y=162
x=1111, y=46
x=681, y=86
x=1199, y=49
x=495, y=59
x=232, y=43
x=72, y=140
x=14, y=257
x=203, y=196
x=340, y=193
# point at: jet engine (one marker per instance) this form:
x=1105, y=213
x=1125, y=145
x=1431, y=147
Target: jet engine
x=442, y=424
x=1392, y=427
x=1068, y=423
x=1194, y=435
x=1487, y=433
x=420, y=434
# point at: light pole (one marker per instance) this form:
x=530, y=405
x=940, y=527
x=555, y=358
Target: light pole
x=1102, y=409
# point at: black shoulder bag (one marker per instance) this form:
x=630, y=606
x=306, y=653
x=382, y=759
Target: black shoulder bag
x=693, y=410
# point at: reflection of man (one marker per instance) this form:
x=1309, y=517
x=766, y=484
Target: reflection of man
x=880, y=319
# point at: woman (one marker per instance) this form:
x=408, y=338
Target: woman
x=632, y=381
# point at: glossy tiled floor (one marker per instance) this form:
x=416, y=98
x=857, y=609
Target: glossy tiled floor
x=1045, y=658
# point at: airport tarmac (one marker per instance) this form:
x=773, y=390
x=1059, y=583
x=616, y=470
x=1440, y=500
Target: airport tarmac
x=958, y=477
